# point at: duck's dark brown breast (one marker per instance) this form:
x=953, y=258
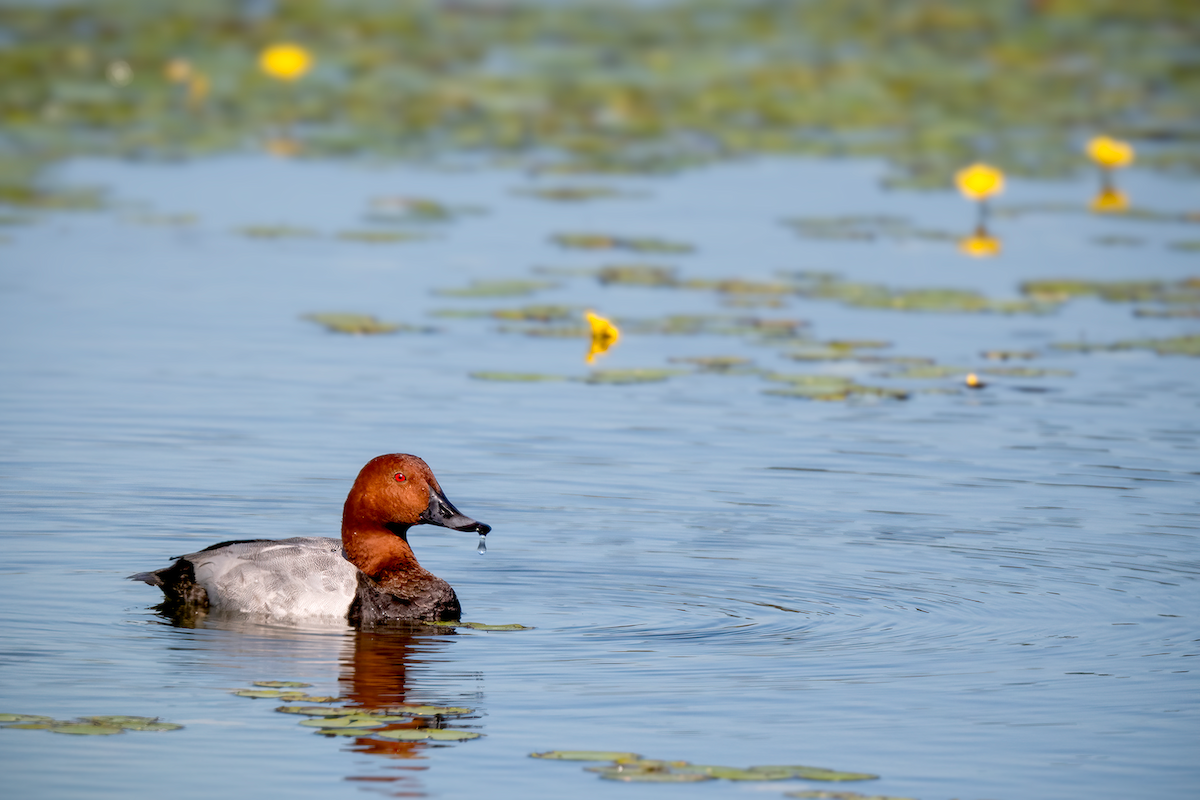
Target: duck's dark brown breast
x=427, y=600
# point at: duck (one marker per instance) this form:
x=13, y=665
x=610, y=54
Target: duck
x=370, y=576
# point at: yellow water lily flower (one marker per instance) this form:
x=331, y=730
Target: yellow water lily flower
x=979, y=181
x=178, y=70
x=287, y=62
x=604, y=335
x=1110, y=153
x=1110, y=201
x=980, y=244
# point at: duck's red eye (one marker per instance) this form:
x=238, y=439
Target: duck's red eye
x=400, y=477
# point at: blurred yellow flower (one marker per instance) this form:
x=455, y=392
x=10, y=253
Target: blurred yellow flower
x=178, y=70
x=282, y=147
x=604, y=335
x=287, y=62
x=973, y=382
x=1110, y=201
x=1110, y=153
x=980, y=244
x=979, y=181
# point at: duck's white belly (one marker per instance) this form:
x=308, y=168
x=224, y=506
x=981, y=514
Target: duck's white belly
x=301, y=577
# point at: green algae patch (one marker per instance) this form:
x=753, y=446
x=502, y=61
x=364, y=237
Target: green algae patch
x=514, y=377
x=628, y=376
x=356, y=324
x=586, y=755
x=1170, y=346
x=282, y=684
x=604, y=241
x=507, y=288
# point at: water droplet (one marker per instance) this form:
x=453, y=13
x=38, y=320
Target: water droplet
x=482, y=545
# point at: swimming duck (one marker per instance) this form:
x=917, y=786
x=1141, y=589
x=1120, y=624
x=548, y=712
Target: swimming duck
x=370, y=576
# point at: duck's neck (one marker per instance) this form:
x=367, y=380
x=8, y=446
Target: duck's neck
x=382, y=552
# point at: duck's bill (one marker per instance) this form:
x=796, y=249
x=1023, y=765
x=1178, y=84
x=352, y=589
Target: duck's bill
x=442, y=512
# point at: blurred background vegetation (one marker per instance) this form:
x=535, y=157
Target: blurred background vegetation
x=927, y=85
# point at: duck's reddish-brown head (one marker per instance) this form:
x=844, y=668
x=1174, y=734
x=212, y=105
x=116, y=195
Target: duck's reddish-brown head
x=397, y=491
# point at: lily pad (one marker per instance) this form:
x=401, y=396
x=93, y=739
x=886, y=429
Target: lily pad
x=483, y=626
x=430, y=711
x=603, y=241
x=516, y=377
x=637, y=275
x=820, y=774
x=282, y=684
x=24, y=718
x=358, y=324
x=85, y=729
x=319, y=711
x=263, y=694
x=628, y=376
x=819, y=794
x=356, y=721
x=435, y=734
x=651, y=775
x=586, y=755
x=276, y=232
x=379, y=237
x=1027, y=372
x=507, y=288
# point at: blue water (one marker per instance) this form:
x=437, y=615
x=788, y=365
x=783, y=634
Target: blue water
x=986, y=594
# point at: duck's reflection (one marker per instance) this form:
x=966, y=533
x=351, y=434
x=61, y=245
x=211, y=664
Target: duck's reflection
x=378, y=668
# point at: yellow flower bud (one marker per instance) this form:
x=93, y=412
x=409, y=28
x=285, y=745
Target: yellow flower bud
x=979, y=181
x=287, y=62
x=1110, y=153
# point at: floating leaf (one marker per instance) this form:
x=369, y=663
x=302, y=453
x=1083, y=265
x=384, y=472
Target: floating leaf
x=319, y=711
x=24, y=718
x=586, y=755
x=430, y=711
x=282, y=684
x=516, y=377
x=820, y=774
x=85, y=729
x=359, y=324
x=356, y=721
x=637, y=275
x=620, y=773
x=436, y=734
x=259, y=694
x=275, y=232
x=508, y=288
x=157, y=727
x=379, y=237
x=627, y=376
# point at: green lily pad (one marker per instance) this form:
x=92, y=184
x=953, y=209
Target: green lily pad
x=435, y=734
x=430, y=711
x=311, y=698
x=537, y=313
x=820, y=774
x=1170, y=346
x=602, y=241
x=262, y=694
x=820, y=794
x=85, y=729
x=33, y=726
x=482, y=626
x=318, y=711
x=627, y=376
x=360, y=732
x=722, y=364
x=634, y=775
x=516, y=377
x=275, y=232
x=282, y=684
x=508, y=288
x=359, y=324
x=118, y=720
x=572, y=193
x=929, y=371
x=1027, y=372
x=24, y=718
x=586, y=755
x=356, y=721
x=637, y=275
x=156, y=727
x=379, y=237
x=1007, y=355
x=736, y=774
